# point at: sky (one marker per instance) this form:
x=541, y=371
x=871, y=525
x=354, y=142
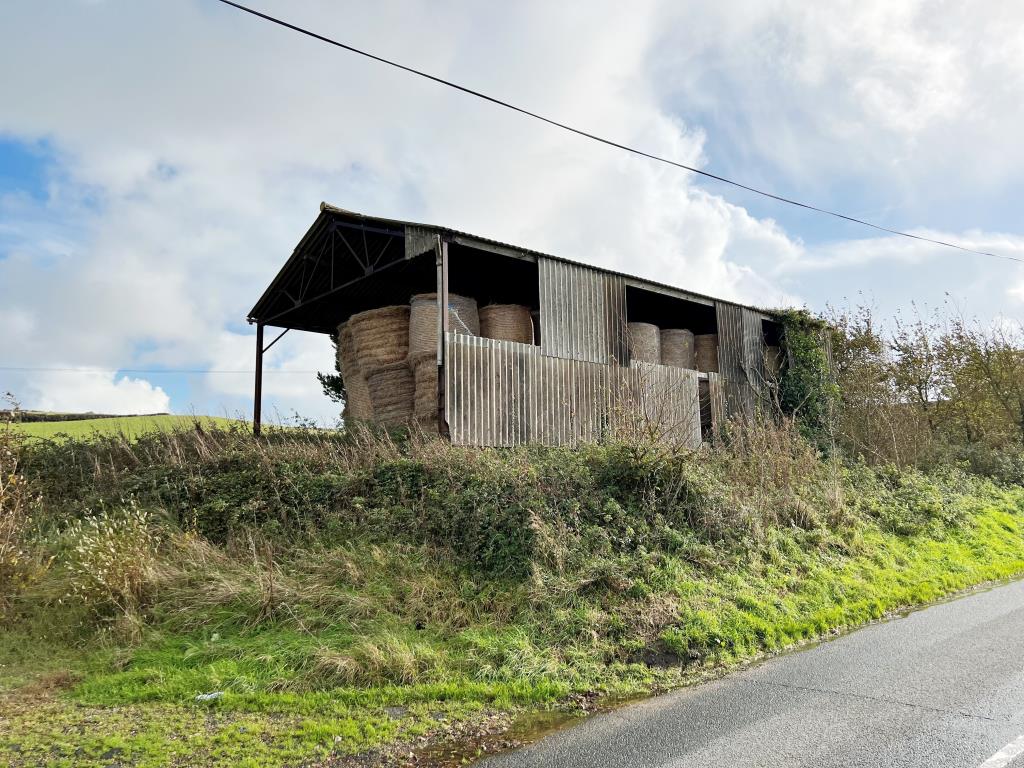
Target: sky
x=159, y=161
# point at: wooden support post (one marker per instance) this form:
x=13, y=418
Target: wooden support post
x=441, y=250
x=257, y=405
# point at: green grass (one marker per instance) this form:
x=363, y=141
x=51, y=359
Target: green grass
x=352, y=599
x=129, y=426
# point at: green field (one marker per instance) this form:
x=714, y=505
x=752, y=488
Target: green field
x=129, y=426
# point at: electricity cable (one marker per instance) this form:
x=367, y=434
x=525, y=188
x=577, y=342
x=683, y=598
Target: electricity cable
x=609, y=142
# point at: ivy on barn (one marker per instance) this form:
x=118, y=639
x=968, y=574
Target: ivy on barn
x=807, y=389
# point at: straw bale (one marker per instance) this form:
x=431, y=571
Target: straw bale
x=425, y=376
x=706, y=351
x=391, y=389
x=358, y=404
x=644, y=342
x=677, y=348
x=508, y=322
x=462, y=318
x=381, y=336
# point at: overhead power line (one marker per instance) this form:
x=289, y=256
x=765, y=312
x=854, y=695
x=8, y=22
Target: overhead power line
x=601, y=139
x=145, y=371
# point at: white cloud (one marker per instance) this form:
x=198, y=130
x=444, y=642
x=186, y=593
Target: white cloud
x=894, y=249
x=98, y=392
x=195, y=142
x=893, y=93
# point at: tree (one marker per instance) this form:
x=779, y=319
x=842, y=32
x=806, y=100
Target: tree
x=332, y=383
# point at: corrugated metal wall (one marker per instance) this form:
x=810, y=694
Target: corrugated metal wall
x=582, y=312
x=665, y=403
x=716, y=401
x=502, y=393
x=753, y=350
x=740, y=357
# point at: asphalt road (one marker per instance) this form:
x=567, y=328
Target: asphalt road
x=941, y=687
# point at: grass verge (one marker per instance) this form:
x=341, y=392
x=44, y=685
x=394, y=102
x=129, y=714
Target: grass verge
x=351, y=599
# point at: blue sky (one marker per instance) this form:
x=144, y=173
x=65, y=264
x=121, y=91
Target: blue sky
x=160, y=161
x=24, y=168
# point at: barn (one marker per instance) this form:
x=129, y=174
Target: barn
x=496, y=345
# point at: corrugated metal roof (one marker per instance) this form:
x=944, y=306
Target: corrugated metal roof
x=327, y=207
x=258, y=312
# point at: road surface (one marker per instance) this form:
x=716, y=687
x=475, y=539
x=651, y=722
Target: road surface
x=941, y=687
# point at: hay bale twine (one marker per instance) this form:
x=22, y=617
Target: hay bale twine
x=462, y=318
x=380, y=336
x=391, y=390
x=677, y=348
x=425, y=404
x=507, y=322
x=644, y=342
x=358, y=404
x=706, y=351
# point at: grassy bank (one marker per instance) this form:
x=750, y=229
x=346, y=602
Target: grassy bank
x=339, y=595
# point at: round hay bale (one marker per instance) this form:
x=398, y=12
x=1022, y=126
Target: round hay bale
x=462, y=318
x=644, y=342
x=391, y=389
x=677, y=348
x=507, y=322
x=358, y=404
x=380, y=336
x=425, y=405
x=706, y=351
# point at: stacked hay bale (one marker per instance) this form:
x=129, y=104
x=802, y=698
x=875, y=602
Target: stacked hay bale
x=507, y=322
x=463, y=317
x=677, y=348
x=381, y=336
x=706, y=351
x=644, y=342
x=424, y=373
x=392, y=390
x=381, y=341
x=358, y=405
x=388, y=357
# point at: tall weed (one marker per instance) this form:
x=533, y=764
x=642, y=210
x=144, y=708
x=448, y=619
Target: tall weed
x=110, y=560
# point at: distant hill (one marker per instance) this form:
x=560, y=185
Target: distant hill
x=29, y=416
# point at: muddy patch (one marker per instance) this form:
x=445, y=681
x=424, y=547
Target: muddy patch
x=524, y=729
